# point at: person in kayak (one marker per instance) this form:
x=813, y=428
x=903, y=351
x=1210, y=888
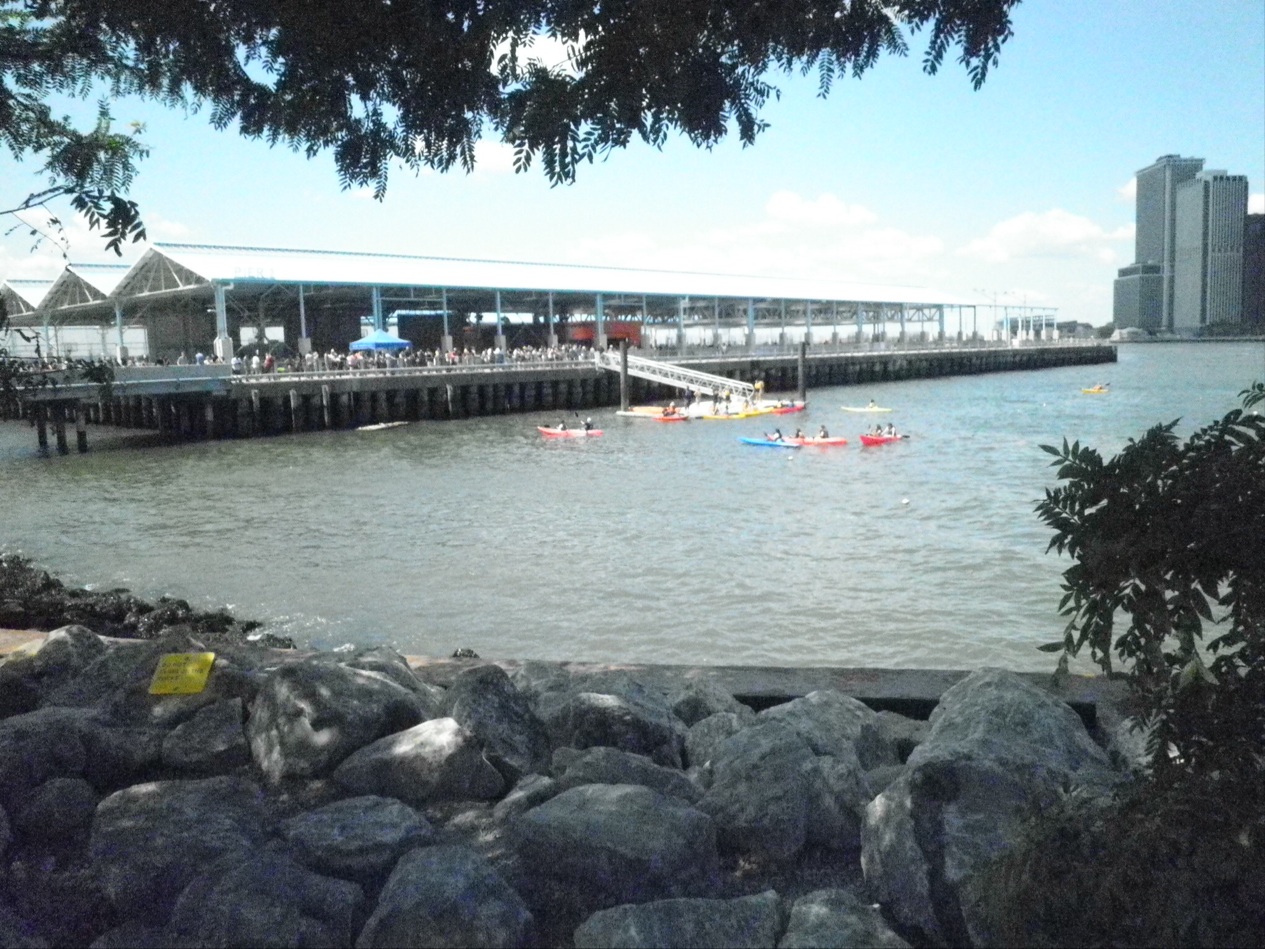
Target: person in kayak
x=775, y=437
x=562, y=425
x=799, y=433
x=670, y=410
x=823, y=433
x=872, y=405
x=588, y=424
x=891, y=430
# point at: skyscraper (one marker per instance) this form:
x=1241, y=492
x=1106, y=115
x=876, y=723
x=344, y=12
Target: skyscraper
x=1155, y=238
x=1211, y=209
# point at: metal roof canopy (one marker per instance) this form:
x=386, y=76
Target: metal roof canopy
x=23, y=296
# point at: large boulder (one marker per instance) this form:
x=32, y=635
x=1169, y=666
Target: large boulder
x=835, y=724
x=485, y=701
x=210, y=742
x=999, y=749
x=358, y=838
x=57, y=810
x=706, y=735
x=65, y=653
x=748, y=922
x=311, y=715
x=265, y=899
x=434, y=761
x=531, y=789
x=696, y=700
x=602, y=845
x=149, y=841
x=446, y=897
x=631, y=722
x=837, y=919
x=38, y=746
x=601, y=765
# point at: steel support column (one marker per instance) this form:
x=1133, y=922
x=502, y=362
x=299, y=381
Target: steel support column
x=223, y=342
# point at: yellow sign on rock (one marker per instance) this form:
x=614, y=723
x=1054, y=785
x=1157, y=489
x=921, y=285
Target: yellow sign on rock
x=182, y=673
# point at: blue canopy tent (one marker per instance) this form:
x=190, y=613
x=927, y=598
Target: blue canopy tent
x=380, y=339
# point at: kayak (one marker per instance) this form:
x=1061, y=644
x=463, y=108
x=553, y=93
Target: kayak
x=568, y=432
x=788, y=409
x=880, y=439
x=678, y=417
x=767, y=443
x=1096, y=390
x=864, y=408
x=820, y=442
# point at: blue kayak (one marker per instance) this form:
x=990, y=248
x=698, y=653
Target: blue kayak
x=766, y=443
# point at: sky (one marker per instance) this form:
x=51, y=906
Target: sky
x=1019, y=193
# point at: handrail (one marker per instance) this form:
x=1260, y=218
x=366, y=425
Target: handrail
x=674, y=375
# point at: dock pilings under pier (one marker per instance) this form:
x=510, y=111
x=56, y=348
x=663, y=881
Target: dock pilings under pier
x=227, y=406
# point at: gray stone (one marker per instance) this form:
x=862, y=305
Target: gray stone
x=18, y=692
x=611, y=844
x=359, y=838
x=134, y=935
x=901, y=733
x=395, y=667
x=57, y=809
x=309, y=716
x=748, y=922
x=1126, y=746
x=695, y=701
x=837, y=919
x=18, y=933
x=485, y=701
x=880, y=779
x=601, y=765
x=999, y=749
x=628, y=722
x=212, y=741
x=706, y=735
x=446, y=896
x=835, y=724
x=38, y=746
x=265, y=899
x=434, y=761
x=66, y=652
x=762, y=782
x=837, y=796
x=532, y=789
x=6, y=832
x=148, y=841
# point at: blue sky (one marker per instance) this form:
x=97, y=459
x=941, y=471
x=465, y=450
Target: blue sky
x=1018, y=192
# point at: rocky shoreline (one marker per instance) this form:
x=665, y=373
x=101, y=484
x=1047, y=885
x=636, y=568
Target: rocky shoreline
x=340, y=799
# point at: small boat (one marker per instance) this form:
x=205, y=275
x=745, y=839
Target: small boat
x=828, y=442
x=674, y=417
x=788, y=409
x=1096, y=390
x=880, y=439
x=378, y=426
x=864, y=408
x=767, y=443
x=568, y=432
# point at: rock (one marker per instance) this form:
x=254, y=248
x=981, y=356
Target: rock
x=311, y=715
x=57, y=810
x=837, y=919
x=636, y=724
x=485, y=701
x=749, y=922
x=1126, y=746
x=532, y=789
x=66, y=652
x=706, y=735
x=760, y=790
x=212, y=741
x=395, y=667
x=603, y=845
x=837, y=796
x=695, y=701
x=265, y=899
x=434, y=761
x=601, y=765
x=149, y=841
x=359, y=838
x=133, y=935
x=999, y=748
x=6, y=833
x=834, y=724
x=38, y=746
x=880, y=779
x=446, y=896
x=18, y=933
x=902, y=734
x=18, y=693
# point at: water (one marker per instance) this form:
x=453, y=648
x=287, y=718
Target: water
x=655, y=543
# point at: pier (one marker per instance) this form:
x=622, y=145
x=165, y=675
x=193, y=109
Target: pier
x=210, y=402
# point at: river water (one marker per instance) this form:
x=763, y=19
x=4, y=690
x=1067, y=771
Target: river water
x=654, y=543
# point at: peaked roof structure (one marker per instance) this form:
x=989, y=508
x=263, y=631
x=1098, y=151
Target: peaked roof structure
x=23, y=296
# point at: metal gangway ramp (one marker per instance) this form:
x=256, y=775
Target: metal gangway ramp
x=673, y=375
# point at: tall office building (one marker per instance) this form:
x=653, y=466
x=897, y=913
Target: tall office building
x=1254, y=274
x=1155, y=238
x=1208, y=267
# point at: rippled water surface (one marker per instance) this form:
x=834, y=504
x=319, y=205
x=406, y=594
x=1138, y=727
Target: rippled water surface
x=655, y=543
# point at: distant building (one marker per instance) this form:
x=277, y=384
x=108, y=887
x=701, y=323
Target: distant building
x=1254, y=274
x=1070, y=329
x=1138, y=298
x=1208, y=273
x=1155, y=237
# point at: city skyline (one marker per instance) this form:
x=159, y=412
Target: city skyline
x=1020, y=193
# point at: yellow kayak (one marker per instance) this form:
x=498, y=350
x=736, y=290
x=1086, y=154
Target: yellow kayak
x=1096, y=390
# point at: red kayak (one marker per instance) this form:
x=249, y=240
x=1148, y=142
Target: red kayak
x=568, y=432
x=821, y=442
x=880, y=439
x=791, y=408
x=676, y=417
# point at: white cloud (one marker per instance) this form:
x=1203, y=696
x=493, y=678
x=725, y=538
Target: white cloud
x=1053, y=233
x=1129, y=190
x=825, y=210
x=1256, y=204
x=493, y=158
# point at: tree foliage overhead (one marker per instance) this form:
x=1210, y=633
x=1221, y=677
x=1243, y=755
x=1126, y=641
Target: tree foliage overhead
x=418, y=83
